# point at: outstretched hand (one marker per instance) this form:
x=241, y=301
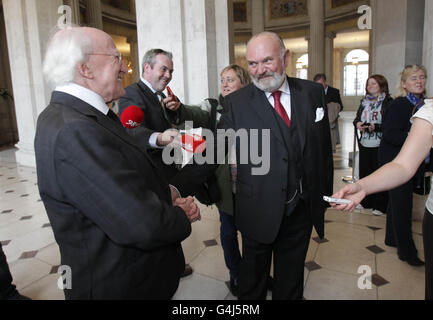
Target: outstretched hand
x=353, y=192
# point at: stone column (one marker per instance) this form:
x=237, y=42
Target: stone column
x=316, y=48
x=75, y=6
x=291, y=66
x=428, y=44
x=196, y=32
x=94, y=13
x=28, y=25
x=258, y=16
x=132, y=40
x=338, y=63
x=132, y=7
x=397, y=38
x=329, y=57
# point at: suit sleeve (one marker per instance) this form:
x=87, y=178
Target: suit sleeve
x=339, y=100
x=326, y=148
x=96, y=177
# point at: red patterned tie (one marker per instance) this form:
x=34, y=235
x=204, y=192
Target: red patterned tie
x=279, y=107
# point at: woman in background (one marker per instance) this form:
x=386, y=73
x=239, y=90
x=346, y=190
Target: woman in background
x=396, y=127
x=369, y=123
x=398, y=171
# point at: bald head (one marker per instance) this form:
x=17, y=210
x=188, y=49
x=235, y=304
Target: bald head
x=267, y=60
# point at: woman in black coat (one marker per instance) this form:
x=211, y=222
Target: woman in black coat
x=369, y=123
x=396, y=127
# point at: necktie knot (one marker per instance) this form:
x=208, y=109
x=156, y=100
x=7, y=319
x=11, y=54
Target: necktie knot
x=279, y=108
x=276, y=95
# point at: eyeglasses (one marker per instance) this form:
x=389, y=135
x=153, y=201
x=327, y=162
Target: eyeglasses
x=117, y=56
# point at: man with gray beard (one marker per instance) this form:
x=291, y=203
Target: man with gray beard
x=275, y=212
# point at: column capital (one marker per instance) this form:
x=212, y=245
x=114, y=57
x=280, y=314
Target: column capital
x=331, y=35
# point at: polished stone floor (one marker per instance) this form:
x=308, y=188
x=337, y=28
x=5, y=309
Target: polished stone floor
x=335, y=268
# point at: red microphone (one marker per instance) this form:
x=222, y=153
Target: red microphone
x=132, y=117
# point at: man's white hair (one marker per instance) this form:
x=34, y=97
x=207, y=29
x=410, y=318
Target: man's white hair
x=66, y=48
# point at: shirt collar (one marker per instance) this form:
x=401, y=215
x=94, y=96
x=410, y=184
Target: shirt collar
x=82, y=93
x=147, y=84
x=326, y=90
x=284, y=88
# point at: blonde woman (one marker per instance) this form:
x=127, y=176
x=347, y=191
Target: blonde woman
x=417, y=146
x=395, y=129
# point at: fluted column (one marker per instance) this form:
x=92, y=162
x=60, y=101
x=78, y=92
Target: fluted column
x=132, y=40
x=132, y=7
x=329, y=56
x=75, y=6
x=316, y=48
x=94, y=14
x=258, y=16
x=338, y=63
x=428, y=43
x=28, y=25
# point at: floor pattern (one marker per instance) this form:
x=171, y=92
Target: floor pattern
x=351, y=262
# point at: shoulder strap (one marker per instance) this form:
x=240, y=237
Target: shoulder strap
x=213, y=112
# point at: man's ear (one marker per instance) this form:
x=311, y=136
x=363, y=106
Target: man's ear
x=85, y=71
x=286, y=58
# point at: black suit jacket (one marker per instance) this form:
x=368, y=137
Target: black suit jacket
x=109, y=207
x=333, y=95
x=260, y=199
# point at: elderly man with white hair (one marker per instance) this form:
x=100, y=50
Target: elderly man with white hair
x=117, y=222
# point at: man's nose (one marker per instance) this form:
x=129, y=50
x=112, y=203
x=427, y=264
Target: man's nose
x=261, y=69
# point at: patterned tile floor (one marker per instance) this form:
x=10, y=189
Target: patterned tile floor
x=335, y=268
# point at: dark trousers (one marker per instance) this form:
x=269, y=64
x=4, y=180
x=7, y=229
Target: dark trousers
x=368, y=163
x=6, y=286
x=427, y=231
x=289, y=250
x=399, y=221
x=230, y=244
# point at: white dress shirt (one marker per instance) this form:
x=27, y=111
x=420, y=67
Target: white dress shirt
x=284, y=99
x=88, y=96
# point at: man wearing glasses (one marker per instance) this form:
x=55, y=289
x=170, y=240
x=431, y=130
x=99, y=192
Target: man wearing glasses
x=116, y=220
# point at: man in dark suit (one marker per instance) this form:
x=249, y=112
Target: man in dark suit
x=331, y=94
x=109, y=206
x=148, y=95
x=275, y=211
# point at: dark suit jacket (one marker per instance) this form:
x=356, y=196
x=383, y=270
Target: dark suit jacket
x=260, y=199
x=333, y=95
x=109, y=207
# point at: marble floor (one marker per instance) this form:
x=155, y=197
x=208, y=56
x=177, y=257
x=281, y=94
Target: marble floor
x=335, y=268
